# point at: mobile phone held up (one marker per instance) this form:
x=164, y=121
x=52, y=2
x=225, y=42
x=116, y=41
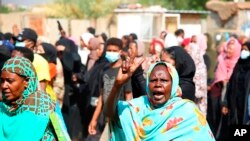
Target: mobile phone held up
x=125, y=64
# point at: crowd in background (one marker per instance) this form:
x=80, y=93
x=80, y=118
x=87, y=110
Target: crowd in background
x=80, y=77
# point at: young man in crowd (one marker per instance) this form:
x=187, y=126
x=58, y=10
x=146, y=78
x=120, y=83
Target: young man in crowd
x=114, y=48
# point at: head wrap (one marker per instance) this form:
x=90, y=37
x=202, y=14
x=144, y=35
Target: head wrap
x=177, y=119
x=32, y=99
x=94, y=43
x=23, y=67
x=70, y=54
x=156, y=45
x=5, y=55
x=186, y=68
x=247, y=44
x=36, y=102
x=170, y=40
x=226, y=65
x=201, y=41
x=86, y=37
x=186, y=42
x=50, y=52
x=175, y=91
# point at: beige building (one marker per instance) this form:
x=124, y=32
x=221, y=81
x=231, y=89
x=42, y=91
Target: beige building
x=148, y=23
x=145, y=22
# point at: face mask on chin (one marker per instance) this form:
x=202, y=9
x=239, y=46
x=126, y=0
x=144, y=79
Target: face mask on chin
x=112, y=56
x=244, y=54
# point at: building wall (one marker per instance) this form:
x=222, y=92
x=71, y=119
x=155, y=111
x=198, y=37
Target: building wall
x=244, y=23
x=233, y=25
x=191, y=23
x=47, y=28
x=51, y=29
x=8, y=20
x=146, y=25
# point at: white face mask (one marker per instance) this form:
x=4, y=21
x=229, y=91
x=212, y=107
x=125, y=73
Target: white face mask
x=244, y=54
x=20, y=44
x=112, y=56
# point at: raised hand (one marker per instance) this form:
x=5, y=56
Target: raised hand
x=126, y=71
x=122, y=77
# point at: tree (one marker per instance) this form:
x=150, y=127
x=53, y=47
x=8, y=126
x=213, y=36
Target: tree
x=93, y=9
x=180, y=4
x=79, y=9
x=90, y=9
x=177, y=4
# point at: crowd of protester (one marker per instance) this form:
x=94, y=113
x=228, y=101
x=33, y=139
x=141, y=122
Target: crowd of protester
x=106, y=88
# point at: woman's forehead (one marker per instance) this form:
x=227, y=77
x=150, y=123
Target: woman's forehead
x=160, y=69
x=5, y=74
x=245, y=47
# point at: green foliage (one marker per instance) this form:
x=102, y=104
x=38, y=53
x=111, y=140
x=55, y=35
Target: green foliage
x=93, y=9
x=86, y=8
x=177, y=4
x=4, y=9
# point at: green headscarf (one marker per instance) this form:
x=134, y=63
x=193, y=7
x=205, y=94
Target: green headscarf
x=22, y=67
x=36, y=111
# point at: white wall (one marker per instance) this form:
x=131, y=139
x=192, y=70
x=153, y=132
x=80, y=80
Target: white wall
x=191, y=29
x=140, y=24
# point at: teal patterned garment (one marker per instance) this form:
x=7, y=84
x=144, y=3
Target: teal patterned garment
x=176, y=120
x=31, y=120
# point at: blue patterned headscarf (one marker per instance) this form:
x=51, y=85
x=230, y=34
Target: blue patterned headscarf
x=177, y=119
x=175, y=91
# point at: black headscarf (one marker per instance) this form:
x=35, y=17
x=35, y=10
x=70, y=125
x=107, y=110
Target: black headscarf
x=94, y=75
x=50, y=52
x=244, y=63
x=238, y=91
x=4, y=55
x=70, y=54
x=186, y=69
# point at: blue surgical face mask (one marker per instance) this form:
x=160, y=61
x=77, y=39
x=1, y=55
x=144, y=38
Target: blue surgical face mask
x=112, y=56
x=244, y=54
x=20, y=44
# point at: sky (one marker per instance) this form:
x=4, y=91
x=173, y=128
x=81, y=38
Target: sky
x=25, y=2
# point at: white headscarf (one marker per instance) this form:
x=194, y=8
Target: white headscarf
x=170, y=40
x=86, y=37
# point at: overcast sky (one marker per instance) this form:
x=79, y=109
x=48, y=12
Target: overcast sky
x=25, y=2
